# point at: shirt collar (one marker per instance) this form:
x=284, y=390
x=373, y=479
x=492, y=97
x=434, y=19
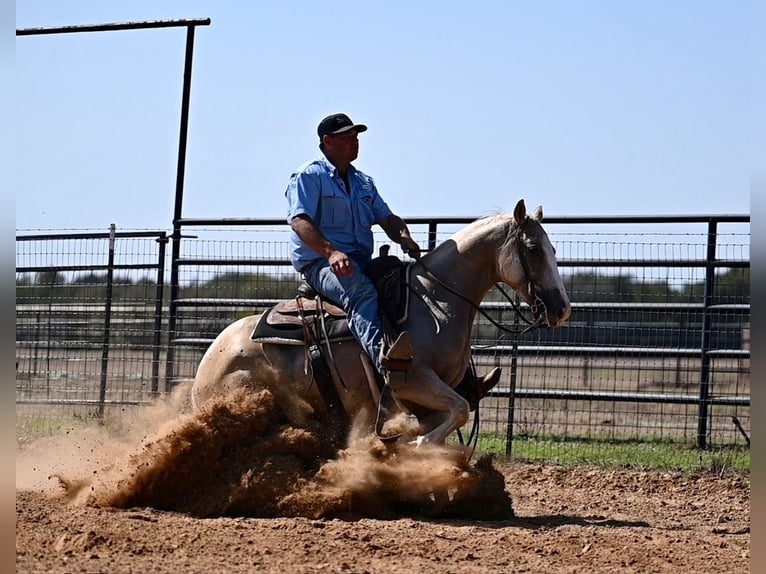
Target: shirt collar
x=332, y=170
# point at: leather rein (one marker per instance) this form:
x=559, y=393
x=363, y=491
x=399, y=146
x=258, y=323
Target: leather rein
x=522, y=252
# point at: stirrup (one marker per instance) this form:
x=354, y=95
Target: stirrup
x=399, y=356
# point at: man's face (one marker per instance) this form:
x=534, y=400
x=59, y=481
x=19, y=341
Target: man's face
x=344, y=146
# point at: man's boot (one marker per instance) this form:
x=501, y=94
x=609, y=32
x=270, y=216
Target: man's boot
x=473, y=388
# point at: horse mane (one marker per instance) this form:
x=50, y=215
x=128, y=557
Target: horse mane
x=483, y=226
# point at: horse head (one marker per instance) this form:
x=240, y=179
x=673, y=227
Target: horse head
x=527, y=262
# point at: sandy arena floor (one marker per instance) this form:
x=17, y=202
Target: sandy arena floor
x=566, y=521
x=233, y=490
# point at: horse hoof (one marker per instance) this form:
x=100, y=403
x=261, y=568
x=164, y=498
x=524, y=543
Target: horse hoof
x=389, y=438
x=419, y=441
x=489, y=380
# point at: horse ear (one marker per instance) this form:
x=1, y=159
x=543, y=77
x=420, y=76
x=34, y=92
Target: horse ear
x=520, y=212
x=538, y=213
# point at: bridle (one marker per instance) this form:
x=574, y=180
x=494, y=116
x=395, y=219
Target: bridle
x=522, y=253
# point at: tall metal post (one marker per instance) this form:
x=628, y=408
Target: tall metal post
x=107, y=324
x=702, y=429
x=158, y=296
x=512, y=388
x=178, y=211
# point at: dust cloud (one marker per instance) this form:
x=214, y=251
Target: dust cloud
x=238, y=456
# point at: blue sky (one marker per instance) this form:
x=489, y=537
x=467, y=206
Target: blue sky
x=588, y=108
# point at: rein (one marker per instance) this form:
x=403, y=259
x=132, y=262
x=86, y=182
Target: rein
x=518, y=332
x=473, y=437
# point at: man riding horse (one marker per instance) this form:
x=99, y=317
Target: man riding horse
x=332, y=208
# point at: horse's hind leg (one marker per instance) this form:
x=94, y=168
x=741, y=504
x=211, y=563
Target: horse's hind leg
x=428, y=391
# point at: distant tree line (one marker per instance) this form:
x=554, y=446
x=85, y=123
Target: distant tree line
x=731, y=286
x=614, y=325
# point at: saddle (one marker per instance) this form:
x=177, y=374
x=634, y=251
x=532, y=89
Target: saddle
x=286, y=322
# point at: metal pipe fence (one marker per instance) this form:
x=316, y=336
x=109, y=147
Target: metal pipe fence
x=657, y=349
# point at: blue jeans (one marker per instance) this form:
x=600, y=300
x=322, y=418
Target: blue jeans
x=357, y=296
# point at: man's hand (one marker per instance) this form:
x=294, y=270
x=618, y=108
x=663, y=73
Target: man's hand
x=341, y=264
x=396, y=230
x=410, y=247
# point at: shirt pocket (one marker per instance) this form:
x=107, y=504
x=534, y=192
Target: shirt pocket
x=364, y=208
x=335, y=212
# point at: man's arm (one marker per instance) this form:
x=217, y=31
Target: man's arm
x=397, y=231
x=310, y=234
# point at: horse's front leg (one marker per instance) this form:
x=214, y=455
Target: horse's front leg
x=422, y=387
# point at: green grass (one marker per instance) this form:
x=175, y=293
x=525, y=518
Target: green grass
x=657, y=455
x=648, y=455
x=30, y=427
x=45, y=426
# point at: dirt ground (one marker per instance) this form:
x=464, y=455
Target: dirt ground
x=231, y=490
x=566, y=521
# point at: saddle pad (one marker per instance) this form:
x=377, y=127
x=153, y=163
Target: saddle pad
x=288, y=333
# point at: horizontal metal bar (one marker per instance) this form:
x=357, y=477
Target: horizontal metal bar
x=82, y=402
x=691, y=263
x=112, y=27
x=235, y=221
x=725, y=218
x=626, y=306
x=687, y=263
x=239, y=261
x=643, y=352
x=657, y=398
x=489, y=305
x=419, y=220
x=75, y=345
x=193, y=341
x=125, y=266
x=729, y=353
x=231, y=302
x=80, y=307
x=534, y=350
x=660, y=306
x=93, y=235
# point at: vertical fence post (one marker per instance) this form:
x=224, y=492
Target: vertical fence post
x=432, y=233
x=178, y=210
x=36, y=343
x=512, y=389
x=704, y=394
x=158, y=295
x=49, y=340
x=107, y=324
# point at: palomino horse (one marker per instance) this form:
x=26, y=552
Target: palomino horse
x=448, y=285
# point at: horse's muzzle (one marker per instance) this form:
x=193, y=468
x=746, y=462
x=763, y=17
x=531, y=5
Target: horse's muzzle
x=553, y=306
